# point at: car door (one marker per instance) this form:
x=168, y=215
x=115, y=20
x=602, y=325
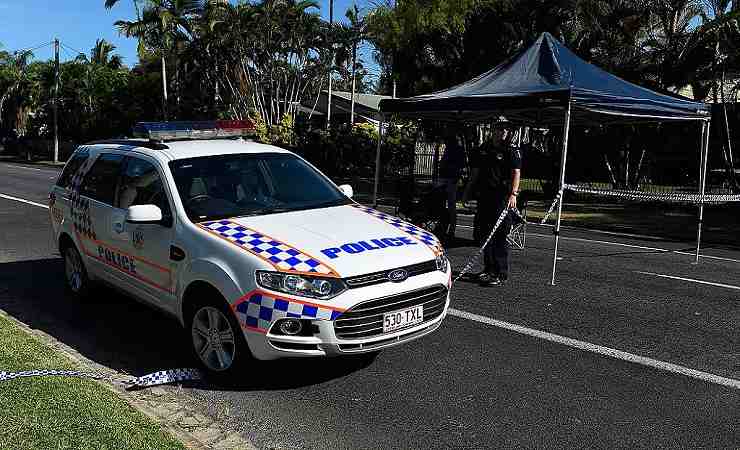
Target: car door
x=91, y=213
x=152, y=277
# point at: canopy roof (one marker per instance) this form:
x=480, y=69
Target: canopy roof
x=535, y=86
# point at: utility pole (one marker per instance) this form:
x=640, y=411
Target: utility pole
x=331, y=66
x=354, y=61
x=56, y=99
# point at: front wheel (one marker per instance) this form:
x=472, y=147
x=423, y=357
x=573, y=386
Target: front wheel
x=217, y=340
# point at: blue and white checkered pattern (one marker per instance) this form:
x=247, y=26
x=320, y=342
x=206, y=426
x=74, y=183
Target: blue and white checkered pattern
x=259, y=310
x=424, y=236
x=281, y=255
x=152, y=379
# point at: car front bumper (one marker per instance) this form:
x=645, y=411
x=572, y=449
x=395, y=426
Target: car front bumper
x=327, y=341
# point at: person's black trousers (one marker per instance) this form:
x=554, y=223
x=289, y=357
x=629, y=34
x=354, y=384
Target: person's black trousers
x=496, y=253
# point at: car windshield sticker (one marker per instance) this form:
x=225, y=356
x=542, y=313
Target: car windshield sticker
x=281, y=255
x=422, y=235
x=257, y=310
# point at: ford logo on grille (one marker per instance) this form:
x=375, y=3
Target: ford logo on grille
x=397, y=275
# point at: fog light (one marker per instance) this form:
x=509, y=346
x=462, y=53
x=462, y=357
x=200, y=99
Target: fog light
x=290, y=327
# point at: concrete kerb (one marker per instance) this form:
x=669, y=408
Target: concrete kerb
x=49, y=164
x=168, y=406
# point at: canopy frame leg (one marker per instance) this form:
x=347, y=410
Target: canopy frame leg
x=377, y=161
x=703, y=163
x=561, y=193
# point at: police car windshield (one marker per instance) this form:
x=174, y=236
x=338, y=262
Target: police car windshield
x=223, y=186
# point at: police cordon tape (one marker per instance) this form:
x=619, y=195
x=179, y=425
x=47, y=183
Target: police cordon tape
x=668, y=197
x=671, y=197
x=551, y=208
x=130, y=382
x=473, y=260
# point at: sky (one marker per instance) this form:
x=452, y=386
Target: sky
x=78, y=23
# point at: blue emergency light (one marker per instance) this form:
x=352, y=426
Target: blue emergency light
x=200, y=129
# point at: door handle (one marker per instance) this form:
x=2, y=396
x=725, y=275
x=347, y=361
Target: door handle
x=176, y=253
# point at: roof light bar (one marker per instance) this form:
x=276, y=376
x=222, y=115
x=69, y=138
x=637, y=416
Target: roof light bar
x=202, y=129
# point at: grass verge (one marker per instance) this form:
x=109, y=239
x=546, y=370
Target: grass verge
x=54, y=412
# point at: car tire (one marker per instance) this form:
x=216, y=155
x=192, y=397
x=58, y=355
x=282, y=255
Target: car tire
x=216, y=339
x=77, y=282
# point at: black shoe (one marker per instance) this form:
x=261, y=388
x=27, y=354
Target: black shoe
x=490, y=280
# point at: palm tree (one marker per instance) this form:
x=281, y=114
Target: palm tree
x=17, y=84
x=101, y=55
x=358, y=32
x=268, y=55
x=164, y=26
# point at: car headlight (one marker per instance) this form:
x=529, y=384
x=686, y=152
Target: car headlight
x=301, y=285
x=442, y=262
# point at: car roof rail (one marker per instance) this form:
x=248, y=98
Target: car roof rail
x=150, y=144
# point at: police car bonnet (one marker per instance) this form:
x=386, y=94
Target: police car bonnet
x=345, y=238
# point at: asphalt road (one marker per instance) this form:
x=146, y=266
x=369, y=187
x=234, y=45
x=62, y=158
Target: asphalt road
x=468, y=385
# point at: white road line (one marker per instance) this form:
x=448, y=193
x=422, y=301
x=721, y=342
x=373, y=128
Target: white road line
x=665, y=250
x=10, y=197
x=692, y=280
x=601, y=350
x=23, y=167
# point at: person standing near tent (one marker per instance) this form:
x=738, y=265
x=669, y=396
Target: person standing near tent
x=495, y=174
x=450, y=168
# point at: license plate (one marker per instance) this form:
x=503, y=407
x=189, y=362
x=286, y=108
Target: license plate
x=402, y=318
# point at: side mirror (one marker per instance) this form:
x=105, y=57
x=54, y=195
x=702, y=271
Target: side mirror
x=347, y=190
x=143, y=214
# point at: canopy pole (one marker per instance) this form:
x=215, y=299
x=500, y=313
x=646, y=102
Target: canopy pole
x=703, y=163
x=377, y=162
x=564, y=153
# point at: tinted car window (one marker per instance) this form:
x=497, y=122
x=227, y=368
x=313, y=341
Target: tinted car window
x=75, y=161
x=100, y=182
x=141, y=185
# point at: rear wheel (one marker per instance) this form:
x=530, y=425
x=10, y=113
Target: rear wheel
x=217, y=339
x=75, y=274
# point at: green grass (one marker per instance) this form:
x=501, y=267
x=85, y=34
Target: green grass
x=55, y=413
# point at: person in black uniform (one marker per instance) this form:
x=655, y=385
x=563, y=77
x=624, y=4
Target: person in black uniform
x=495, y=174
x=450, y=169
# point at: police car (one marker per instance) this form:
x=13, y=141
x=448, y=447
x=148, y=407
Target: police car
x=250, y=247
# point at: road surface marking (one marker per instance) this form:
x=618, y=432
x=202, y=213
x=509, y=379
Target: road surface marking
x=692, y=280
x=10, y=197
x=28, y=168
x=664, y=250
x=601, y=350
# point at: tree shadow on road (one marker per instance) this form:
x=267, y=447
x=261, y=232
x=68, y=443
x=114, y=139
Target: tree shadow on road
x=118, y=332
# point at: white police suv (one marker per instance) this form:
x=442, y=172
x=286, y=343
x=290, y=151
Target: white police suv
x=255, y=251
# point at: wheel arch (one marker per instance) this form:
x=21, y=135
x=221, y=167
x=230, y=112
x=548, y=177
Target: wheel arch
x=207, y=278
x=65, y=241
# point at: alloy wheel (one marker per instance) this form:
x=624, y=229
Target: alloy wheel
x=73, y=270
x=213, y=338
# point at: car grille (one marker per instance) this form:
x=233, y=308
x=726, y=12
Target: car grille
x=366, y=319
x=382, y=277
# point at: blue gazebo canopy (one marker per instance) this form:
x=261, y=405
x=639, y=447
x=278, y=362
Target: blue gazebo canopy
x=536, y=85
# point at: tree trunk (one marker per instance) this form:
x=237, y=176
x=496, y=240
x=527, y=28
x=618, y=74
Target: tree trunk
x=164, y=89
x=354, y=79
